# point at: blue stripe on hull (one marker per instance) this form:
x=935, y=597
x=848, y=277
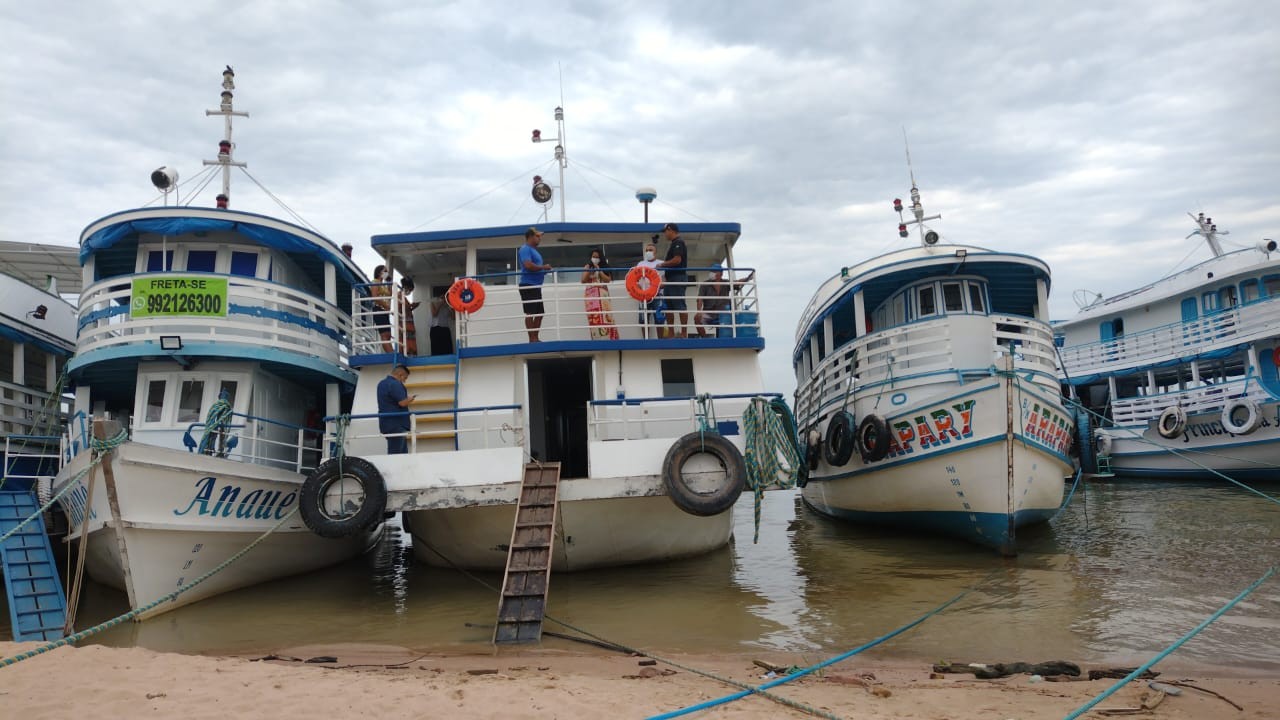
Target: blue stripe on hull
x=987, y=529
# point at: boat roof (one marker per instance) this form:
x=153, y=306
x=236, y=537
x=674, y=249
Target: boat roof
x=34, y=263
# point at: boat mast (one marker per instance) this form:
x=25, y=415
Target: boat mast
x=1206, y=229
x=917, y=209
x=542, y=194
x=225, y=146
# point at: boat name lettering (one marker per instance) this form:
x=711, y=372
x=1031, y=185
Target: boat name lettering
x=1214, y=427
x=933, y=429
x=257, y=504
x=74, y=502
x=1046, y=426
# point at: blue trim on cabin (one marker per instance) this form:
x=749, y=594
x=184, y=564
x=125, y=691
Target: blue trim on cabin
x=575, y=228
x=555, y=346
x=217, y=350
x=44, y=344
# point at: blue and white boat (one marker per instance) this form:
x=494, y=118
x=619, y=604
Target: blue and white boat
x=1180, y=376
x=927, y=390
x=601, y=392
x=216, y=340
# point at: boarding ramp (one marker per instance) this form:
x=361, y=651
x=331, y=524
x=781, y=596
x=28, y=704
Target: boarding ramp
x=37, y=604
x=524, y=588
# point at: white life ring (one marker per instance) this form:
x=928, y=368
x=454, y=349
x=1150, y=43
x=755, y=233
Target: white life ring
x=1252, y=417
x=1104, y=444
x=1171, y=422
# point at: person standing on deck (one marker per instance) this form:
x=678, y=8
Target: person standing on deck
x=674, y=278
x=441, y=324
x=393, y=401
x=532, y=272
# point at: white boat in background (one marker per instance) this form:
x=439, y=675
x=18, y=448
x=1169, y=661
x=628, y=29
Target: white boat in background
x=209, y=336
x=1183, y=371
x=620, y=409
x=927, y=390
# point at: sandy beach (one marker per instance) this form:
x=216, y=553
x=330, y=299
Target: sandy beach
x=378, y=681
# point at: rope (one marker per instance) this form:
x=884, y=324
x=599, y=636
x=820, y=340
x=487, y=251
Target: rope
x=825, y=663
x=100, y=445
x=1161, y=655
x=1065, y=503
x=217, y=422
x=71, y=639
x=766, y=439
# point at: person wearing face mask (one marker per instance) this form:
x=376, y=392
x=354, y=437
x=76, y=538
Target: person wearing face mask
x=596, y=296
x=674, y=278
x=649, y=309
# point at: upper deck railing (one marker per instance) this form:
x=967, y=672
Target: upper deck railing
x=258, y=313
x=22, y=408
x=569, y=313
x=1232, y=326
x=947, y=349
x=1204, y=399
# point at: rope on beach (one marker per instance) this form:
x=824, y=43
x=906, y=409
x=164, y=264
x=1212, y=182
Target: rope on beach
x=101, y=446
x=1161, y=655
x=1185, y=455
x=71, y=639
x=769, y=429
x=830, y=661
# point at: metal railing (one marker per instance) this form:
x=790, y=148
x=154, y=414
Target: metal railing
x=259, y=312
x=21, y=408
x=1209, y=398
x=665, y=417
x=945, y=349
x=475, y=428
x=41, y=453
x=566, y=314
x=262, y=441
x=1243, y=323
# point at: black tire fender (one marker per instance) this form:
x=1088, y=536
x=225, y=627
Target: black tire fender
x=873, y=438
x=838, y=447
x=717, y=499
x=342, y=515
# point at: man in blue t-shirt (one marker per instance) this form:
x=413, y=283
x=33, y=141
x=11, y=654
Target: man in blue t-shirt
x=393, y=417
x=674, y=278
x=532, y=273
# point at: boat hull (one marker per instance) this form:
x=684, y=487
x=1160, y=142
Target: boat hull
x=985, y=480
x=167, y=517
x=1204, y=450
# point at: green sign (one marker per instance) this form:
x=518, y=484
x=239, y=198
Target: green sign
x=170, y=296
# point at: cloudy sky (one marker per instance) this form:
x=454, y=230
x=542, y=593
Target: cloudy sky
x=1079, y=132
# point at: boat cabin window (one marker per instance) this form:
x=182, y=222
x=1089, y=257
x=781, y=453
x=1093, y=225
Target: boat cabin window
x=926, y=302
x=923, y=303
x=1111, y=329
x=1271, y=286
x=677, y=378
x=155, y=264
x=1227, y=297
x=190, y=399
x=1249, y=291
x=952, y=299
x=844, y=324
x=155, y=402
x=244, y=264
x=976, y=303
x=1209, y=301
x=201, y=260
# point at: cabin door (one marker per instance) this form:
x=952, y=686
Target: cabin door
x=559, y=390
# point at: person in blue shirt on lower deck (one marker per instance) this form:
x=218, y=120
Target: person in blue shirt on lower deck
x=532, y=272
x=393, y=415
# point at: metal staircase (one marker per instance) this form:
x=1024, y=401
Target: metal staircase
x=436, y=388
x=37, y=604
x=524, y=588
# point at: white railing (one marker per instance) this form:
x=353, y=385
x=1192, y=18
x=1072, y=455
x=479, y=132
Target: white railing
x=1209, y=398
x=259, y=313
x=501, y=319
x=923, y=353
x=39, y=452
x=259, y=441
x=476, y=428
x=660, y=417
x=380, y=322
x=22, y=407
x=1228, y=327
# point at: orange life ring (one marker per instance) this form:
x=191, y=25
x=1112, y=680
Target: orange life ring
x=466, y=295
x=643, y=272
x=1275, y=357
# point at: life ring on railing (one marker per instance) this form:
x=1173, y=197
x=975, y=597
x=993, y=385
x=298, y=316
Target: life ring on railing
x=643, y=272
x=342, y=497
x=1171, y=423
x=840, y=442
x=1252, y=416
x=1275, y=357
x=699, y=495
x=873, y=438
x=466, y=295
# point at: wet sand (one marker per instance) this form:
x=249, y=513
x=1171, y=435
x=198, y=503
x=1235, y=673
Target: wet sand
x=369, y=681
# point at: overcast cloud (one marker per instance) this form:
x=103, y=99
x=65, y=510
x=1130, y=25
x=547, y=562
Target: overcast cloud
x=1079, y=132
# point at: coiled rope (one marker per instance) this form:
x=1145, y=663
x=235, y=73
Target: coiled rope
x=70, y=639
x=1163, y=653
x=217, y=423
x=98, y=445
x=773, y=456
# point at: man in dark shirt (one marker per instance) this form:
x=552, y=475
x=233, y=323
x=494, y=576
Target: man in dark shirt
x=393, y=417
x=674, y=278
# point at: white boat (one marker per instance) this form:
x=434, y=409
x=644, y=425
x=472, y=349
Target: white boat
x=927, y=390
x=209, y=335
x=599, y=393
x=1180, y=375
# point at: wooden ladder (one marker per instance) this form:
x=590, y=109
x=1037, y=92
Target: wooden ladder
x=524, y=588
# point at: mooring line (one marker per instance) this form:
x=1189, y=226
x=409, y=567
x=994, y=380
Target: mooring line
x=830, y=661
x=1163, y=653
